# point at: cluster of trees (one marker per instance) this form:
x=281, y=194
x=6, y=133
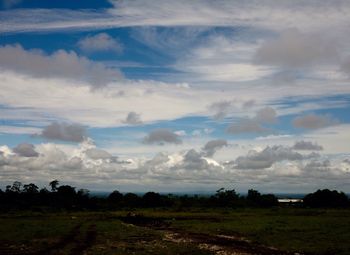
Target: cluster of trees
x=326, y=198
x=29, y=196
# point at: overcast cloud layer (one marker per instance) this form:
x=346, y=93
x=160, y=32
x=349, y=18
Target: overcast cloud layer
x=218, y=93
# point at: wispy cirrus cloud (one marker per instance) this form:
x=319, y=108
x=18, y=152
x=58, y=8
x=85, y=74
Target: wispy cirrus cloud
x=264, y=14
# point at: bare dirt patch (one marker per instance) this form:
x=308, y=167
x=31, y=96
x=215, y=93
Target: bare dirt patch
x=217, y=244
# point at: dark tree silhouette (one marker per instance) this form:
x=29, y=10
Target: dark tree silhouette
x=152, y=199
x=115, y=197
x=131, y=200
x=225, y=198
x=15, y=188
x=54, y=184
x=66, y=191
x=326, y=198
x=253, y=196
x=30, y=188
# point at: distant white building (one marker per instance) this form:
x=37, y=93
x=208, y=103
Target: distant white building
x=289, y=200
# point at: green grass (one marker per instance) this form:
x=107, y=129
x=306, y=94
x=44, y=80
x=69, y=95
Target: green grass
x=37, y=233
x=306, y=230
x=298, y=230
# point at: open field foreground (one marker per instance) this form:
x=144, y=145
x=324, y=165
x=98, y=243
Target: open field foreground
x=240, y=231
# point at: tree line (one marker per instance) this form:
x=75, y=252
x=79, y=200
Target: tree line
x=65, y=197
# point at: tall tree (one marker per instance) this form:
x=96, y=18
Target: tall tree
x=54, y=184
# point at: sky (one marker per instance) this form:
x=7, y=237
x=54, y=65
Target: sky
x=176, y=96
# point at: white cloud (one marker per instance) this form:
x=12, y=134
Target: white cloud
x=92, y=167
x=100, y=42
x=265, y=14
x=18, y=130
x=222, y=58
x=44, y=100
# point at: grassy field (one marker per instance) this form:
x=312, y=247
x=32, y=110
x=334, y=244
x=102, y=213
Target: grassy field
x=307, y=231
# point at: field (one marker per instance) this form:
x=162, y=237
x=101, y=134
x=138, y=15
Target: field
x=156, y=231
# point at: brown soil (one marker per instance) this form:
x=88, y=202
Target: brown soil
x=217, y=244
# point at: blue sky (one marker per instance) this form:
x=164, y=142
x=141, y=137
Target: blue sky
x=175, y=96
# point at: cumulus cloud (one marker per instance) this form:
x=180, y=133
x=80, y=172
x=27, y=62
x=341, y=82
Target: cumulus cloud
x=161, y=136
x=220, y=109
x=133, y=118
x=212, y=146
x=61, y=64
x=268, y=156
x=91, y=167
x=100, y=42
x=64, y=132
x=25, y=150
x=193, y=161
x=266, y=115
x=314, y=121
x=306, y=145
x=317, y=166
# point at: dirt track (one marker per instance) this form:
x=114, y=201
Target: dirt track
x=218, y=244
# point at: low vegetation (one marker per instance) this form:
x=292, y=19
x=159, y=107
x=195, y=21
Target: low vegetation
x=66, y=221
x=28, y=196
